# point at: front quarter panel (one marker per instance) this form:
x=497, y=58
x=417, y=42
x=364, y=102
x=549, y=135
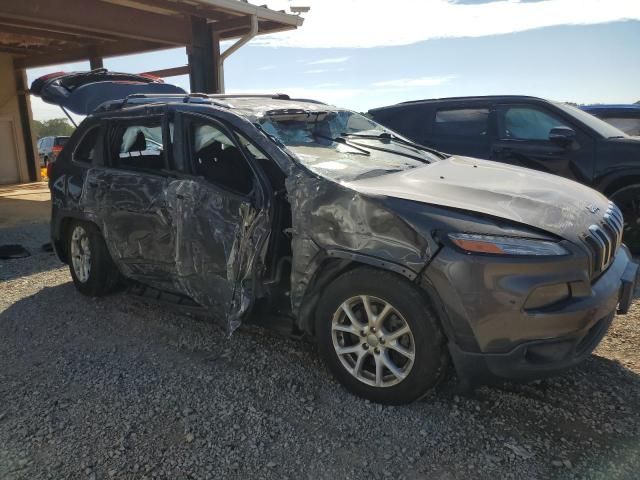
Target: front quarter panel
x=331, y=220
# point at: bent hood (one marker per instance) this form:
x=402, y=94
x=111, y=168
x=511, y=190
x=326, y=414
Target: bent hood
x=547, y=202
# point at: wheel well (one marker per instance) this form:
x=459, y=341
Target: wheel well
x=620, y=183
x=327, y=272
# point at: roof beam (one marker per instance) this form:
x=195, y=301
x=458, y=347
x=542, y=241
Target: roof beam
x=105, y=18
x=44, y=28
x=14, y=50
x=235, y=7
x=170, y=72
x=195, y=10
x=125, y=47
x=41, y=34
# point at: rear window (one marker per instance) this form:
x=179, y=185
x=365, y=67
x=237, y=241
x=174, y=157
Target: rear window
x=462, y=122
x=60, y=141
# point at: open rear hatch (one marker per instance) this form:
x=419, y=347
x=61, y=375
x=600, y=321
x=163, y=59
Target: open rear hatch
x=83, y=92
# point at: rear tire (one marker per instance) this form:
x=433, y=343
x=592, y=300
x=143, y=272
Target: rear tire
x=628, y=201
x=93, y=271
x=380, y=337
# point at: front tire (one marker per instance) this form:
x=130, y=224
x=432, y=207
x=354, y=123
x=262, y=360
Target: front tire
x=380, y=337
x=92, y=269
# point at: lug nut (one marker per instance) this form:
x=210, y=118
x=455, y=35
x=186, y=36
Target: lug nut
x=373, y=329
x=365, y=346
x=381, y=339
x=377, y=350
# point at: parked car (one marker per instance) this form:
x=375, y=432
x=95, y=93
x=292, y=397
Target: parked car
x=49, y=148
x=623, y=117
x=530, y=132
x=393, y=257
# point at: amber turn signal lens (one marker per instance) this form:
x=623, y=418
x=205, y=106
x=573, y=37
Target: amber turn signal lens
x=476, y=246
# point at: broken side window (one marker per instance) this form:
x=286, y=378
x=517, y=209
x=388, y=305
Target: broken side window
x=139, y=146
x=217, y=158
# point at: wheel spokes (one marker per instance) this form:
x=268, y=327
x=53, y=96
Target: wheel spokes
x=367, y=309
x=405, y=352
x=392, y=367
x=366, y=333
x=396, y=334
x=346, y=308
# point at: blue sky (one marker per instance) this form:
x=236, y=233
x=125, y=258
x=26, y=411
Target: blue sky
x=586, y=63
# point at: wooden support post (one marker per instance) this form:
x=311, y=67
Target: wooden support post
x=203, y=54
x=24, y=108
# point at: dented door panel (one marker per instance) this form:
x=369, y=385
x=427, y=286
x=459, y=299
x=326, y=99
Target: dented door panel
x=219, y=238
x=135, y=220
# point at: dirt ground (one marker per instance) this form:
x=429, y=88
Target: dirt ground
x=121, y=388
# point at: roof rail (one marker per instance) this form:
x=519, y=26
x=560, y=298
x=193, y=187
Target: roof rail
x=274, y=96
x=144, y=98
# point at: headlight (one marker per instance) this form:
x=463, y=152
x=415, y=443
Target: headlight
x=498, y=245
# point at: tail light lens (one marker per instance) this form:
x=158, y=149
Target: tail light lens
x=56, y=149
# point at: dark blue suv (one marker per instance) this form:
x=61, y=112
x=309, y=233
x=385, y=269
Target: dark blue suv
x=530, y=132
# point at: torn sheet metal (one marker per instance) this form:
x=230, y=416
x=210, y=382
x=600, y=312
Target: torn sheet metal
x=328, y=217
x=181, y=235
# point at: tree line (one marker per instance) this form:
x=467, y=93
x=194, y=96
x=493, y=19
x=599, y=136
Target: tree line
x=56, y=127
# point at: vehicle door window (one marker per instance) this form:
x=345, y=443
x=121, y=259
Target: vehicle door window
x=217, y=158
x=270, y=168
x=138, y=146
x=526, y=123
x=86, y=150
x=630, y=126
x=462, y=122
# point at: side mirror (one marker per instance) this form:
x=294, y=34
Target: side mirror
x=563, y=136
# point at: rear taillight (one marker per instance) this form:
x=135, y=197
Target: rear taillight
x=49, y=169
x=56, y=149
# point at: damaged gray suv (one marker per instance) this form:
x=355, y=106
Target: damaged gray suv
x=294, y=214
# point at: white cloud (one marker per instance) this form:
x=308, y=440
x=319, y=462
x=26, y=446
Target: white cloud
x=325, y=61
x=364, y=23
x=415, y=82
x=324, y=70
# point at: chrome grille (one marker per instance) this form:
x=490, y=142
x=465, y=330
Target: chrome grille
x=604, y=238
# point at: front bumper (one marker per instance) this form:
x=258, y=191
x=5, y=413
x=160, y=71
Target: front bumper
x=492, y=336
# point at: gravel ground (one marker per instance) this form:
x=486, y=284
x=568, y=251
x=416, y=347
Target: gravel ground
x=119, y=388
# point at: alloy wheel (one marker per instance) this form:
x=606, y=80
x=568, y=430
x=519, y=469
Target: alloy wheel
x=373, y=341
x=80, y=253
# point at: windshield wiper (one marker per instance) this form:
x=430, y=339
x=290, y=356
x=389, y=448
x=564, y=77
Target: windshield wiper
x=344, y=141
x=391, y=137
x=379, y=149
